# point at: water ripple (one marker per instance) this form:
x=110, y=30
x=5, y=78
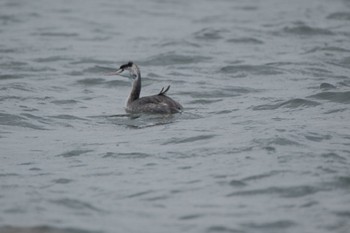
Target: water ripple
x=223, y=229
x=74, y=153
x=43, y=229
x=292, y=104
x=263, y=175
x=131, y=155
x=334, y=157
x=327, y=86
x=19, y=121
x=286, y=192
x=51, y=59
x=337, y=97
x=57, y=34
x=76, y=204
x=333, y=49
x=209, y=34
x=339, y=16
x=316, y=137
x=189, y=139
x=139, y=194
x=218, y=93
x=274, y=226
x=9, y=19
x=10, y=76
x=245, y=40
x=300, y=28
x=64, y=102
x=165, y=59
x=67, y=117
x=62, y=181
x=251, y=69
x=190, y=216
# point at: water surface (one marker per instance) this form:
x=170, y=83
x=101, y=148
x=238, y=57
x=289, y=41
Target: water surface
x=262, y=144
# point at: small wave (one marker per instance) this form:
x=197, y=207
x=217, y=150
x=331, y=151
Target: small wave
x=166, y=59
x=339, y=16
x=76, y=204
x=245, y=40
x=237, y=183
x=137, y=121
x=300, y=28
x=7, y=19
x=343, y=182
x=209, y=34
x=180, y=43
x=336, y=110
x=317, y=137
x=279, y=141
x=73, y=153
x=251, y=69
x=344, y=62
x=286, y=192
x=190, y=216
x=333, y=157
x=19, y=121
x=10, y=76
x=337, y=97
x=189, y=139
x=17, y=86
x=15, y=65
x=274, y=226
x=247, y=8
x=223, y=229
x=91, y=81
x=7, y=50
x=75, y=73
x=92, y=61
x=39, y=119
x=156, y=198
x=43, y=229
x=138, y=194
x=345, y=83
x=63, y=102
x=327, y=86
x=97, y=70
x=130, y=155
x=292, y=104
x=219, y=93
x=67, y=117
x=328, y=49
x=62, y=181
x=262, y=175
x=96, y=38
x=225, y=111
x=204, y=101
x=58, y=34
x=51, y=59
x=342, y=213
x=8, y=174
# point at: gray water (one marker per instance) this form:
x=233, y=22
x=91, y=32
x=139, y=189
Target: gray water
x=263, y=144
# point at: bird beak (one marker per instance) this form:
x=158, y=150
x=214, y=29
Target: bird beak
x=118, y=72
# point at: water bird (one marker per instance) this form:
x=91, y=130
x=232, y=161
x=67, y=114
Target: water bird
x=154, y=104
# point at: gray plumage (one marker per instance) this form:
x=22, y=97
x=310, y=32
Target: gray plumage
x=154, y=104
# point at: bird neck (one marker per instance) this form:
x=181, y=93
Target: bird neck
x=135, y=90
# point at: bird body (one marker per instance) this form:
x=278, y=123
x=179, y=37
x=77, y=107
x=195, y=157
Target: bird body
x=154, y=104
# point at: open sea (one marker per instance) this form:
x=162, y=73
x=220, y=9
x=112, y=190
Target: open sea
x=262, y=146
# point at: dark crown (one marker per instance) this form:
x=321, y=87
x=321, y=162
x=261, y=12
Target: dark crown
x=129, y=64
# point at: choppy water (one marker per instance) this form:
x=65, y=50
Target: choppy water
x=263, y=144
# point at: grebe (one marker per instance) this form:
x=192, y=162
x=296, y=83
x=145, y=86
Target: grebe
x=154, y=104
